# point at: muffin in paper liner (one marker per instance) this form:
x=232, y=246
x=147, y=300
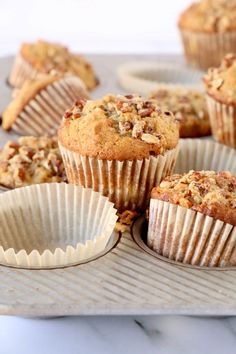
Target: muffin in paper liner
x=190, y=237
x=42, y=114
x=203, y=154
x=204, y=50
x=126, y=183
x=53, y=225
x=223, y=121
x=145, y=77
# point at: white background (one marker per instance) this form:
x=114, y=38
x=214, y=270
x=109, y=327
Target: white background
x=92, y=26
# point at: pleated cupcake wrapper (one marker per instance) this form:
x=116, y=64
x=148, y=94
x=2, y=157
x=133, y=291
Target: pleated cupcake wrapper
x=22, y=71
x=223, y=121
x=204, y=50
x=203, y=154
x=53, y=225
x=146, y=77
x=42, y=115
x=126, y=183
x=190, y=237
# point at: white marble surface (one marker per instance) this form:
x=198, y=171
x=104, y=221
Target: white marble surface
x=105, y=335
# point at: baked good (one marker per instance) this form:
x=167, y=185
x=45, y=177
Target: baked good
x=40, y=58
x=193, y=218
x=208, y=30
x=31, y=160
x=39, y=105
x=120, y=146
x=189, y=107
x=220, y=85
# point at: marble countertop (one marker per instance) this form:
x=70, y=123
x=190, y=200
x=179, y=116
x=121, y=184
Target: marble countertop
x=105, y=335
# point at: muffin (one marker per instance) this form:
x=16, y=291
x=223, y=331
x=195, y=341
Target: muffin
x=208, y=30
x=189, y=107
x=40, y=58
x=120, y=146
x=193, y=218
x=29, y=161
x=38, y=106
x=220, y=84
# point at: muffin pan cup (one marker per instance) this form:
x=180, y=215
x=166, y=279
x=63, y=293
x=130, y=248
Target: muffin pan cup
x=223, y=121
x=53, y=225
x=190, y=237
x=145, y=77
x=126, y=183
x=42, y=115
x=204, y=50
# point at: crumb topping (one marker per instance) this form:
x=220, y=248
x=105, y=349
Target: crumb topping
x=129, y=116
x=31, y=160
x=188, y=106
x=55, y=59
x=221, y=82
x=209, y=16
x=209, y=192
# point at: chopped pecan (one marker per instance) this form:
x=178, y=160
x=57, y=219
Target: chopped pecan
x=125, y=127
x=146, y=112
x=150, y=139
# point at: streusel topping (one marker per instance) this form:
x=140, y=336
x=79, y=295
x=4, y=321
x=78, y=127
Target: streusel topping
x=212, y=193
x=221, y=82
x=51, y=58
x=119, y=123
x=209, y=16
x=188, y=106
x=31, y=160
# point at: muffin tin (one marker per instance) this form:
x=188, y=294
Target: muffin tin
x=128, y=279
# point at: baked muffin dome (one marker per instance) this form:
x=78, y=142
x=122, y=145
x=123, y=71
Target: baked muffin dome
x=220, y=83
x=119, y=128
x=209, y=16
x=31, y=160
x=208, y=192
x=41, y=57
x=189, y=107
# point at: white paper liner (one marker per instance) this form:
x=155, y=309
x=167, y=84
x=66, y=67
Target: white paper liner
x=204, y=50
x=203, y=154
x=22, y=71
x=126, y=183
x=42, y=115
x=190, y=237
x=145, y=77
x=53, y=225
x=223, y=121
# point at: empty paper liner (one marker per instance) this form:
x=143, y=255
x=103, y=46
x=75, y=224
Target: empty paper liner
x=190, y=237
x=145, y=77
x=203, y=154
x=53, y=225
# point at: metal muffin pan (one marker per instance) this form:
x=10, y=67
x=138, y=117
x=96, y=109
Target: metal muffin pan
x=126, y=280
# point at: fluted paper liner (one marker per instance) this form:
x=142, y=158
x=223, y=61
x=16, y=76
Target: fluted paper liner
x=203, y=154
x=223, y=121
x=42, y=115
x=204, y=50
x=53, y=225
x=126, y=183
x=22, y=71
x=145, y=77
x=190, y=237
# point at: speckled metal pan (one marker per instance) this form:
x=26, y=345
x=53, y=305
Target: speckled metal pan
x=126, y=280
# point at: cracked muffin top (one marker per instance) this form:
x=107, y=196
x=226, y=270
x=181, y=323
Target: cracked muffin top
x=209, y=16
x=51, y=58
x=189, y=107
x=208, y=192
x=220, y=83
x=31, y=160
x=118, y=128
